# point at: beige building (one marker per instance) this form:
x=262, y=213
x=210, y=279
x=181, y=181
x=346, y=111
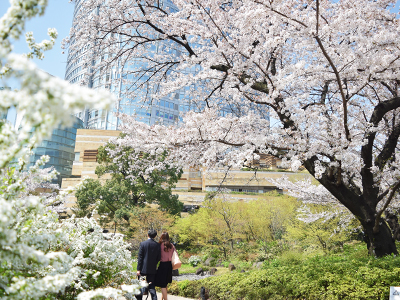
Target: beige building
x=85, y=162
x=194, y=183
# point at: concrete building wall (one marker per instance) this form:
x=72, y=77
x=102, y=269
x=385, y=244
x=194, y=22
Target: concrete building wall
x=194, y=183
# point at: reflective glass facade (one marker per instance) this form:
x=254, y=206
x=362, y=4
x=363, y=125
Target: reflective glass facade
x=165, y=110
x=60, y=147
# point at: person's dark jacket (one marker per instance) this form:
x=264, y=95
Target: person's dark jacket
x=149, y=256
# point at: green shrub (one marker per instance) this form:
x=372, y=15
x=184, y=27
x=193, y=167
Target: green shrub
x=293, y=277
x=225, y=264
x=187, y=269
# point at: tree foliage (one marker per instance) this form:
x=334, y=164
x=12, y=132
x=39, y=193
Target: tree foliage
x=221, y=223
x=145, y=218
x=211, y=226
x=328, y=230
x=149, y=181
x=128, y=188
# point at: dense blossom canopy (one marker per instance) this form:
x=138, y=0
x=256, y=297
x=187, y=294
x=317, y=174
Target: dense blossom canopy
x=327, y=71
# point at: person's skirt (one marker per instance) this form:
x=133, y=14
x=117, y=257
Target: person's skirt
x=164, y=274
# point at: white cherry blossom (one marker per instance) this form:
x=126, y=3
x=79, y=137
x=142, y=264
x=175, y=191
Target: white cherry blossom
x=327, y=71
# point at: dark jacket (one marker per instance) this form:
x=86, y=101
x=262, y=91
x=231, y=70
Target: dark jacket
x=149, y=256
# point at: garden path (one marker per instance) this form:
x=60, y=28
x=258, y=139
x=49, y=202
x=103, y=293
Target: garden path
x=172, y=297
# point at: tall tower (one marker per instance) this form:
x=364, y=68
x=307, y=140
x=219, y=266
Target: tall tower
x=165, y=110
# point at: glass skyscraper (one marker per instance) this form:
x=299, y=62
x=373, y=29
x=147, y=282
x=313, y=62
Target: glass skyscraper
x=165, y=110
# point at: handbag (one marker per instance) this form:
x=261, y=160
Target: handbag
x=175, y=261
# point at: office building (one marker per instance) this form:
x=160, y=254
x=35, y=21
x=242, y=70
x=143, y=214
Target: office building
x=194, y=184
x=118, y=77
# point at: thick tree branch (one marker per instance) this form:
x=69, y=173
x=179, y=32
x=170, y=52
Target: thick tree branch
x=382, y=108
x=388, y=149
x=379, y=213
x=260, y=86
x=350, y=197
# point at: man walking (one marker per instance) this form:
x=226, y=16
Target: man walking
x=149, y=256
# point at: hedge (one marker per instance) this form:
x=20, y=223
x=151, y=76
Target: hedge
x=316, y=278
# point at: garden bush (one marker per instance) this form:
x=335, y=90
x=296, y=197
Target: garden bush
x=320, y=277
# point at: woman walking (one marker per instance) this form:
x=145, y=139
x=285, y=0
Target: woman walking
x=164, y=271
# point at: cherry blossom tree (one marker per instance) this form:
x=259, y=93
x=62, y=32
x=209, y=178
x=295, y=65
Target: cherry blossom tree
x=327, y=71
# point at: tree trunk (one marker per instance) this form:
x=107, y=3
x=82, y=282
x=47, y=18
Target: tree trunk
x=362, y=204
x=224, y=250
x=379, y=243
x=394, y=225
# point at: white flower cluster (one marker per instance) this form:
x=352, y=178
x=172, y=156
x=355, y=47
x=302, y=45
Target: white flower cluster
x=39, y=254
x=38, y=48
x=42, y=255
x=194, y=260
